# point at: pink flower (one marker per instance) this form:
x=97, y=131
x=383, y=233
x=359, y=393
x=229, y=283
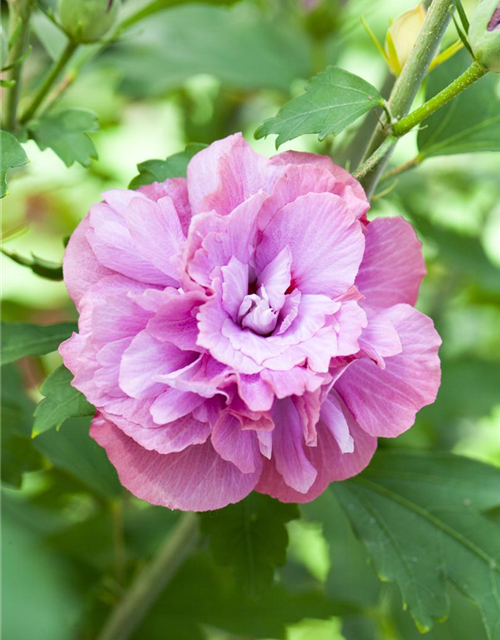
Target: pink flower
x=246, y=328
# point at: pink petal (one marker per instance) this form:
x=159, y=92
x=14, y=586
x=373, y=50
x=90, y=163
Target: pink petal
x=157, y=233
x=352, y=320
x=325, y=240
x=175, y=321
x=81, y=268
x=234, y=286
x=226, y=174
x=335, y=421
x=255, y=392
x=345, y=186
x=146, y=358
x=235, y=445
x=288, y=448
x=196, y=479
x=113, y=244
x=173, y=404
x=275, y=277
x=385, y=401
x=169, y=438
x=380, y=339
x=393, y=266
x=326, y=457
x=176, y=189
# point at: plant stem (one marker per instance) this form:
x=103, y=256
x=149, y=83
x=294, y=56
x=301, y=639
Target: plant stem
x=19, y=31
x=408, y=83
x=392, y=173
x=372, y=161
x=468, y=77
x=49, y=80
x=130, y=612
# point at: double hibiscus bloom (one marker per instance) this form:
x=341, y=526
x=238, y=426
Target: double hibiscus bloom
x=246, y=329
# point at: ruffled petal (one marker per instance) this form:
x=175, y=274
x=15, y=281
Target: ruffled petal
x=385, y=401
x=196, y=479
x=393, y=266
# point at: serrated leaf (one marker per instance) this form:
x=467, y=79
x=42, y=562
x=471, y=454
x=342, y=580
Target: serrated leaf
x=72, y=449
x=160, y=170
x=66, y=133
x=62, y=401
x=39, y=266
x=470, y=122
x=18, y=454
x=250, y=537
x=333, y=100
x=12, y=155
x=419, y=516
x=20, y=339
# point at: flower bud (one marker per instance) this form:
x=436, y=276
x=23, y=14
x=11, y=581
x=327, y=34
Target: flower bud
x=86, y=21
x=484, y=34
x=401, y=36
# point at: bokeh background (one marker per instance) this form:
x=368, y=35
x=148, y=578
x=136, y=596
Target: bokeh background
x=195, y=72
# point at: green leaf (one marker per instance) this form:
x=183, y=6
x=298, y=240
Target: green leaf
x=203, y=594
x=72, y=449
x=12, y=155
x=39, y=266
x=251, y=537
x=420, y=519
x=65, y=132
x=20, y=339
x=160, y=170
x=333, y=100
x=470, y=122
x=62, y=401
x=239, y=46
x=18, y=454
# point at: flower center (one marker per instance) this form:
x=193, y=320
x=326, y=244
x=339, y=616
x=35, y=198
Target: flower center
x=256, y=313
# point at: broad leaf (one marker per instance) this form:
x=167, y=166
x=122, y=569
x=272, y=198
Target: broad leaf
x=39, y=266
x=12, y=155
x=71, y=449
x=239, y=46
x=420, y=519
x=66, y=133
x=333, y=100
x=20, y=339
x=160, y=170
x=18, y=454
x=62, y=401
x=470, y=122
x=204, y=594
x=251, y=537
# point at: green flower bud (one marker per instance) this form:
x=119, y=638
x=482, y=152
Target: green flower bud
x=87, y=21
x=484, y=34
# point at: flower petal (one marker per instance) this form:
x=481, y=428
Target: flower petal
x=196, y=479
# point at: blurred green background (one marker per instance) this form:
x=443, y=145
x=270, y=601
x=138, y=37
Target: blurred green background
x=194, y=73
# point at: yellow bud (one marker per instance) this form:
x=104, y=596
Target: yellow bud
x=401, y=36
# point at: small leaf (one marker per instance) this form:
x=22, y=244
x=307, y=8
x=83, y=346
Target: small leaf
x=39, y=266
x=160, y=170
x=72, y=449
x=62, y=401
x=251, y=537
x=18, y=454
x=12, y=155
x=20, y=339
x=470, y=122
x=65, y=132
x=333, y=100
x=420, y=518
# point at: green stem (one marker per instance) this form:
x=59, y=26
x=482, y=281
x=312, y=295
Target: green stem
x=49, y=80
x=373, y=160
x=468, y=77
x=149, y=584
x=393, y=173
x=408, y=83
x=19, y=32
